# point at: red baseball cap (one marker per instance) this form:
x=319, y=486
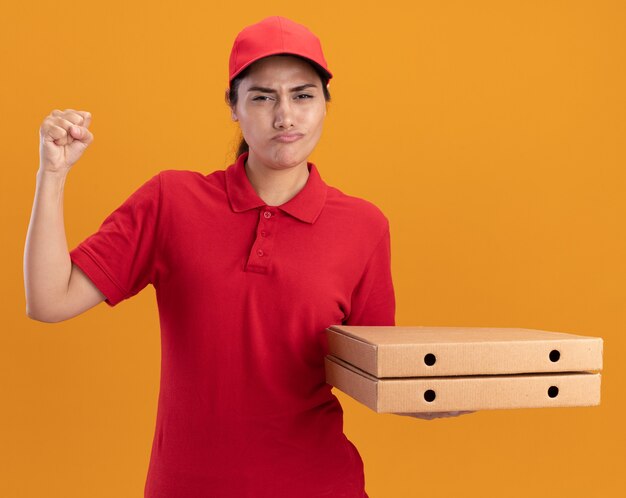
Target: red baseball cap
x=274, y=35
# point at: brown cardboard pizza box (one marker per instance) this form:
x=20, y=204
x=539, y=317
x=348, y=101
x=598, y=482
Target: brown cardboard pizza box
x=452, y=393
x=416, y=351
x=394, y=369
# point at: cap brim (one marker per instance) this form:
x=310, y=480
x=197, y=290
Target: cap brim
x=328, y=74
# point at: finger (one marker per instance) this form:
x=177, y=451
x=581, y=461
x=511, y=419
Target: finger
x=76, y=132
x=75, y=117
x=72, y=123
x=56, y=134
x=82, y=134
x=71, y=115
x=66, y=124
x=86, y=116
x=62, y=114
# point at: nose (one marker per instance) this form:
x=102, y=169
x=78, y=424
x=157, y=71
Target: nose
x=283, y=117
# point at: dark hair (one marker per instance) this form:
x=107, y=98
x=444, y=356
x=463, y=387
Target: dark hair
x=231, y=98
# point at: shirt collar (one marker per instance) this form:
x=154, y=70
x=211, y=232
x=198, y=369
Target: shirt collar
x=306, y=205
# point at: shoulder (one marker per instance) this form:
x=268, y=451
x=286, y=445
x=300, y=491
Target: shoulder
x=175, y=180
x=359, y=212
x=188, y=175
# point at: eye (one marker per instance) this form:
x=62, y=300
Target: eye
x=305, y=95
x=261, y=97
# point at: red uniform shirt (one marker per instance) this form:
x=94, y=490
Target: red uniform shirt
x=245, y=292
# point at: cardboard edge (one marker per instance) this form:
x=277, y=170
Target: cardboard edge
x=359, y=385
x=354, y=350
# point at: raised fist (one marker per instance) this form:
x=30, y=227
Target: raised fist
x=64, y=136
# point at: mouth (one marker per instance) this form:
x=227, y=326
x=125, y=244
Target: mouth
x=288, y=137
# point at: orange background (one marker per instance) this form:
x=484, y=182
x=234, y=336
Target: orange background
x=490, y=133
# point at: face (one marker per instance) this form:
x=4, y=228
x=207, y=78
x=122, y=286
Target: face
x=280, y=94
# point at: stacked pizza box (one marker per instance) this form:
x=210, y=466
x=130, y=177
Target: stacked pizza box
x=394, y=369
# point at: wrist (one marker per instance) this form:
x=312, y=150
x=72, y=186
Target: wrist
x=54, y=176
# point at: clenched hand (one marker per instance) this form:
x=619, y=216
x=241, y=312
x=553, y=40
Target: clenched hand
x=64, y=136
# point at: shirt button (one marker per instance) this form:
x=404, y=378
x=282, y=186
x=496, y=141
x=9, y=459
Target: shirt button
x=267, y=214
x=260, y=252
x=263, y=233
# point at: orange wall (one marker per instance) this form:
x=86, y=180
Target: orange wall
x=490, y=133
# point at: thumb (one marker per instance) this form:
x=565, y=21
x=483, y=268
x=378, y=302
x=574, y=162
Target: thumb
x=81, y=134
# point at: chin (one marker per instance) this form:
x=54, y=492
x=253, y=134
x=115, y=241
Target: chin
x=289, y=159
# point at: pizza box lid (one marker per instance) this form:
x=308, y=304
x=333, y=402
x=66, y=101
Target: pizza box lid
x=422, y=351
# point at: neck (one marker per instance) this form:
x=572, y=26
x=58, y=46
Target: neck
x=275, y=186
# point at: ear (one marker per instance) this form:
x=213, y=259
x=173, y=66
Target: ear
x=227, y=99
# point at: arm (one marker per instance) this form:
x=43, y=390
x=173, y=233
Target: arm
x=55, y=289
x=373, y=300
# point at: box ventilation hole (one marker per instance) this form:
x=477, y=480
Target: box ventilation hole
x=430, y=359
x=553, y=391
x=554, y=355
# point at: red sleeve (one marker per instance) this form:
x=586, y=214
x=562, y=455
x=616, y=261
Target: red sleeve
x=119, y=256
x=373, y=299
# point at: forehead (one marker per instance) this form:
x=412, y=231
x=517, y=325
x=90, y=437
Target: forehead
x=280, y=69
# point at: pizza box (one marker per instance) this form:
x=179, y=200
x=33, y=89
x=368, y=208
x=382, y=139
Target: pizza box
x=452, y=393
x=419, y=351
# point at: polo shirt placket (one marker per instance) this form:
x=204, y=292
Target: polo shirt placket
x=261, y=251
x=306, y=207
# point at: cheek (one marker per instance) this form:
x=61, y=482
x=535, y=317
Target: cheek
x=318, y=122
x=249, y=127
x=255, y=121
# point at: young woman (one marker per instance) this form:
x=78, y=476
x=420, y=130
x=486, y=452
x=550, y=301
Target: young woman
x=250, y=265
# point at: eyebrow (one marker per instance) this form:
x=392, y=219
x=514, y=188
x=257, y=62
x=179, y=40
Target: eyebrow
x=271, y=90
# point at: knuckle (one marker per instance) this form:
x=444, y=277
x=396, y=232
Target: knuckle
x=75, y=118
x=63, y=122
